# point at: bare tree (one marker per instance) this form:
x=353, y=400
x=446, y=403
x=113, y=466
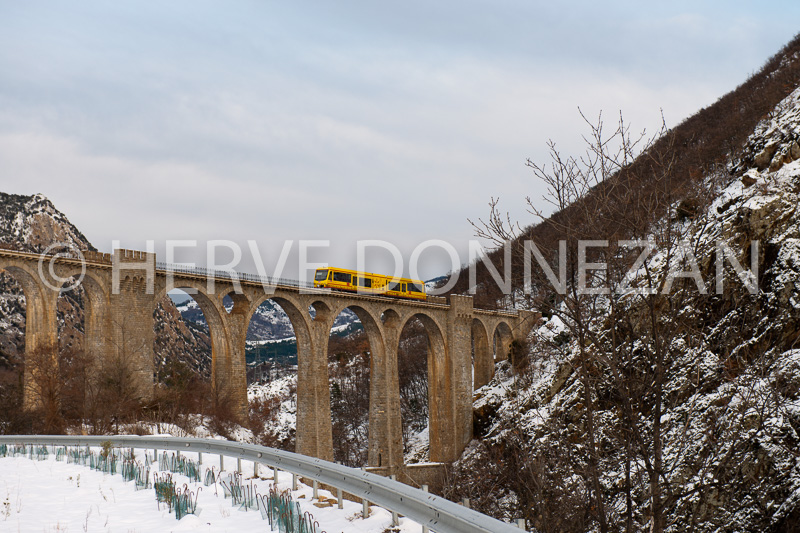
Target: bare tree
x=620, y=339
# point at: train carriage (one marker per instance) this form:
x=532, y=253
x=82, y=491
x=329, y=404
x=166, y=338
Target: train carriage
x=367, y=283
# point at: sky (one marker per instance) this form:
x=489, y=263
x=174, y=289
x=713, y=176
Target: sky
x=266, y=122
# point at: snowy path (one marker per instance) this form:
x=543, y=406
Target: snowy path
x=54, y=496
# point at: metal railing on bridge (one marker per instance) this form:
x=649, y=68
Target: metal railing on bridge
x=434, y=512
x=231, y=275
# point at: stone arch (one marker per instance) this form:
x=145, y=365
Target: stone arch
x=440, y=399
x=298, y=316
x=390, y=318
x=372, y=324
x=501, y=339
x=482, y=360
x=374, y=377
x=95, y=342
x=36, y=312
x=40, y=327
x=215, y=316
x=238, y=302
x=95, y=313
x=313, y=422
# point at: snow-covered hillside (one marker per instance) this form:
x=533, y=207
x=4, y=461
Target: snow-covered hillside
x=573, y=439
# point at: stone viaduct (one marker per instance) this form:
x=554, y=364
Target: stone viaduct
x=123, y=289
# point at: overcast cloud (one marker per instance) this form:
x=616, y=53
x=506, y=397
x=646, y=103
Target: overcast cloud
x=270, y=121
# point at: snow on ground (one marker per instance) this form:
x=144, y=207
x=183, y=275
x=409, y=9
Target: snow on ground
x=54, y=496
x=285, y=422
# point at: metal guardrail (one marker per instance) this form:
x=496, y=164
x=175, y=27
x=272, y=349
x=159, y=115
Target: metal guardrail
x=439, y=514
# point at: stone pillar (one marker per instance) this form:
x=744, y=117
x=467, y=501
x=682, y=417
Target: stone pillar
x=234, y=385
x=385, y=425
x=440, y=404
x=459, y=344
x=130, y=326
x=96, y=341
x=314, y=432
x=41, y=345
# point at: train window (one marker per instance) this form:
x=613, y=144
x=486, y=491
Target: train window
x=413, y=287
x=342, y=277
x=394, y=287
x=321, y=275
x=365, y=282
x=330, y=275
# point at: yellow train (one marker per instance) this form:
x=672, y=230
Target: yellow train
x=367, y=283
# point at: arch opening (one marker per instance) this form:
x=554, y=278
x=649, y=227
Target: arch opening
x=482, y=356
x=78, y=396
x=414, y=360
x=14, y=308
x=30, y=378
x=272, y=372
x=352, y=345
x=186, y=343
x=501, y=342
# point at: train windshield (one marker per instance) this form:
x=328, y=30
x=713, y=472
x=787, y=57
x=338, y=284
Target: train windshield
x=321, y=275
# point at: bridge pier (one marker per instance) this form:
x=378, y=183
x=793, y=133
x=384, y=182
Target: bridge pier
x=130, y=327
x=385, y=426
x=232, y=379
x=459, y=337
x=40, y=380
x=314, y=435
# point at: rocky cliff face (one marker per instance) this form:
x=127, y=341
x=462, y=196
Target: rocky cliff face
x=32, y=224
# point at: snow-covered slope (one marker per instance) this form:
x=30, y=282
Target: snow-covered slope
x=727, y=439
x=55, y=495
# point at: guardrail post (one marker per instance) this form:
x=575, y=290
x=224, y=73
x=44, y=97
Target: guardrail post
x=364, y=503
x=238, y=465
x=395, y=519
x=425, y=528
x=155, y=455
x=221, y=462
x=200, y=458
x=521, y=523
x=255, y=469
x=465, y=502
x=315, y=485
x=294, y=481
x=275, y=475
x=339, y=499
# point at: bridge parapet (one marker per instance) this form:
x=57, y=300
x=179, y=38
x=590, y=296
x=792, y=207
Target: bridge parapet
x=97, y=257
